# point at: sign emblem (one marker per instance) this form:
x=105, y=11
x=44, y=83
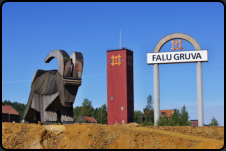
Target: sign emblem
x=176, y=43
x=116, y=60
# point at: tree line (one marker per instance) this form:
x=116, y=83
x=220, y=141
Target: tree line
x=86, y=110
x=178, y=118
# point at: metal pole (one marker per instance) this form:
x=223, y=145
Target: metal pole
x=200, y=94
x=156, y=93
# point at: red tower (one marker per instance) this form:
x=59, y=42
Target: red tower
x=120, y=101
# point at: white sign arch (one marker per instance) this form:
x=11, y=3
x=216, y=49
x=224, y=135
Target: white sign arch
x=198, y=56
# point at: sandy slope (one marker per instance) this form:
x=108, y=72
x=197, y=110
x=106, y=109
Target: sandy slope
x=17, y=135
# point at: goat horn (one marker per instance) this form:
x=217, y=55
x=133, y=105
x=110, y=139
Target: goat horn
x=64, y=62
x=77, y=62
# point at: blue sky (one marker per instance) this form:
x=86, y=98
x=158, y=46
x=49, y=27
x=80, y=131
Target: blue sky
x=31, y=30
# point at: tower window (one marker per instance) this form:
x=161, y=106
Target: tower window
x=122, y=121
x=122, y=108
x=112, y=98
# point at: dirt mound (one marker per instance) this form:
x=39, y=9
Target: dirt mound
x=128, y=125
x=97, y=136
x=216, y=132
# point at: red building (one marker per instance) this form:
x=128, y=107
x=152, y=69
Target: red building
x=120, y=101
x=9, y=114
x=162, y=112
x=194, y=122
x=86, y=119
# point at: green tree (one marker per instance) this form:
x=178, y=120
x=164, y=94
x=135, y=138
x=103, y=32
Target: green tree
x=184, y=117
x=87, y=108
x=214, y=122
x=76, y=112
x=162, y=121
x=137, y=116
x=148, y=110
x=104, y=114
x=146, y=123
x=174, y=119
x=149, y=102
x=96, y=111
x=97, y=116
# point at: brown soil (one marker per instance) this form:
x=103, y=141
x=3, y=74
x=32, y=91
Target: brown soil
x=96, y=136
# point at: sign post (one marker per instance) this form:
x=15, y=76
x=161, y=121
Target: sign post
x=156, y=93
x=197, y=56
x=200, y=94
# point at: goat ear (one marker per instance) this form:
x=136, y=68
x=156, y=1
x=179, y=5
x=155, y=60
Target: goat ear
x=77, y=63
x=64, y=62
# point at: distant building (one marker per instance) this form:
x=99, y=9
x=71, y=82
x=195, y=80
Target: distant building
x=86, y=119
x=162, y=112
x=9, y=114
x=194, y=122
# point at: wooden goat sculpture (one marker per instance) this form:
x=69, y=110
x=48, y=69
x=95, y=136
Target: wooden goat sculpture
x=53, y=92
